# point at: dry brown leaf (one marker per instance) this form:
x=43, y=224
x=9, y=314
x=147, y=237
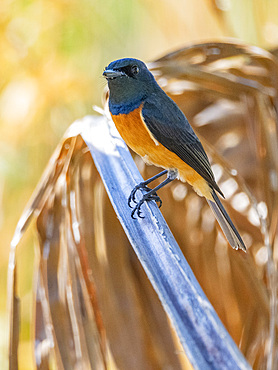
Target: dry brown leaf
x=95, y=307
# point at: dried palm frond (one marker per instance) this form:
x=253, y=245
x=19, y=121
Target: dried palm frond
x=95, y=306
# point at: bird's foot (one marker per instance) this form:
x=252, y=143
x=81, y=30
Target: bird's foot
x=146, y=198
x=141, y=186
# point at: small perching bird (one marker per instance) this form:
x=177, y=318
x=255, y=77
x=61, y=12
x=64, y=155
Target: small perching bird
x=154, y=127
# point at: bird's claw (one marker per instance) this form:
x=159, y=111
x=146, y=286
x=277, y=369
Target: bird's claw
x=141, y=186
x=137, y=210
x=146, y=198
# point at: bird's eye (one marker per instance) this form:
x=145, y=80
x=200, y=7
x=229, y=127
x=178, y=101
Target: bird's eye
x=134, y=70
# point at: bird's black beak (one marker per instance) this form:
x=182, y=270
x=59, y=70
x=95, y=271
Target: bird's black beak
x=110, y=74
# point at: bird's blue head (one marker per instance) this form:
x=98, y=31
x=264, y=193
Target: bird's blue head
x=129, y=82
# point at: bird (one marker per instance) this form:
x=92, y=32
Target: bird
x=155, y=128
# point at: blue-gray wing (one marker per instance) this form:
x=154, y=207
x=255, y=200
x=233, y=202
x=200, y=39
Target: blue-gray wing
x=169, y=127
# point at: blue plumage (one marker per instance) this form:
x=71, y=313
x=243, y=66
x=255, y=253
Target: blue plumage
x=133, y=88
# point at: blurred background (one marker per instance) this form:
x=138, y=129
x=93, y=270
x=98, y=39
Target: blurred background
x=52, y=57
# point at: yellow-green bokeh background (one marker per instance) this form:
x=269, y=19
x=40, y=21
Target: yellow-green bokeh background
x=52, y=56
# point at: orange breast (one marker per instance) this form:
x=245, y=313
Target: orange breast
x=137, y=136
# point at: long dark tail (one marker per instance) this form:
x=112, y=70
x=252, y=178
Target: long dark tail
x=225, y=222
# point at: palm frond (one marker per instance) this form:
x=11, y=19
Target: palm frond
x=95, y=306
